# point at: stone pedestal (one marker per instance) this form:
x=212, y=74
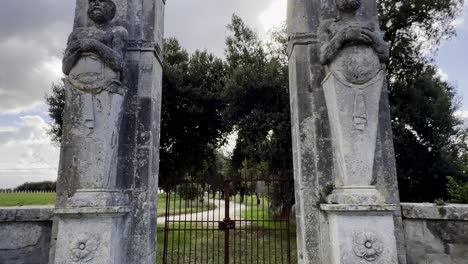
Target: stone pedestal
x=105, y=211
x=344, y=167
x=91, y=235
x=361, y=234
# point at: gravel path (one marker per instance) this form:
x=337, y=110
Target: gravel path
x=215, y=215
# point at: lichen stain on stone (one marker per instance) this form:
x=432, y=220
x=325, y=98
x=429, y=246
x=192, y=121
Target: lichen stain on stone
x=307, y=134
x=449, y=232
x=19, y=235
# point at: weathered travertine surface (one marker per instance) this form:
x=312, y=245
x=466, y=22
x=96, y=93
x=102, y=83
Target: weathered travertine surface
x=325, y=133
x=436, y=234
x=25, y=234
x=107, y=186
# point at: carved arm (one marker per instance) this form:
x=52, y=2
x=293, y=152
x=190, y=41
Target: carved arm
x=379, y=45
x=354, y=34
x=347, y=34
x=329, y=44
x=113, y=57
x=71, y=53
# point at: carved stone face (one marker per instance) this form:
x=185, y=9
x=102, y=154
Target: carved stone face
x=348, y=5
x=101, y=11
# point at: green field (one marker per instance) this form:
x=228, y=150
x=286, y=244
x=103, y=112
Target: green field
x=255, y=242
x=262, y=244
x=246, y=246
x=180, y=206
x=22, y=199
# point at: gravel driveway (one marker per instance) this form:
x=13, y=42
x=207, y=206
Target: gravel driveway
x=213, y=216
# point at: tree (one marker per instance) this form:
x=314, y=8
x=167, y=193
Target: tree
x=47, y=186
x=257, y=101
x=56, y=104
x=192, y=123
x=422, y=105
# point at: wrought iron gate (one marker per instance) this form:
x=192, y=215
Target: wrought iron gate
x=244, y=221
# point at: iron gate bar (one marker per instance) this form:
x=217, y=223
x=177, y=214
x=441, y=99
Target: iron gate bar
x=227, y=219
x=255, y=240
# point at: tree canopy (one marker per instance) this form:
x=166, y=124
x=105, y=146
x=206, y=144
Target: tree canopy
x=192, y=125
x=257, y=102
x=426, y=131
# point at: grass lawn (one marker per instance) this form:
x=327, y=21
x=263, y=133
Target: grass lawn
x=22, y=199
x=255, y=241
x=258, y=244
x=253, y=245
x=180, y=206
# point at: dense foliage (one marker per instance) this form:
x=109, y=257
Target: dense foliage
x=56, y=104
x=258, y=109
x=257, y=104
x=458, y=191
x=426, y=132
x=192, y=123
x=47, y=186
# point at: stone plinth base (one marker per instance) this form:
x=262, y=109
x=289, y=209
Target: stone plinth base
x=91, y=235
x=365, y=195
x=361, y=234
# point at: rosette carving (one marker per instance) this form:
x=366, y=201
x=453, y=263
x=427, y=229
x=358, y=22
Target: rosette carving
x=83, y=249
x=367, y=245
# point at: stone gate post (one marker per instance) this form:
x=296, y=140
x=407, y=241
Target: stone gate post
x=347, y=201
x=109, y=162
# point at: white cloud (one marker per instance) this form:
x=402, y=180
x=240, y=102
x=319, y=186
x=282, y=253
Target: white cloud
x=26, y=152
x=443, y=76
x=31, y=46
x=462, y=114
x=28, y=68
x=208, y=30
x=274, y=15
x=460, y=21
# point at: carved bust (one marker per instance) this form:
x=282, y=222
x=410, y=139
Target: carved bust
x=95, y=55
x=351, y=46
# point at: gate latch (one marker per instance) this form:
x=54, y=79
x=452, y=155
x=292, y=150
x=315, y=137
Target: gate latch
x=227, y=224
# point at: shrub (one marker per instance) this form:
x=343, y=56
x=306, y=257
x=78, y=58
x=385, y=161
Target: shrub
x=190, y=191
x=458, y=191
x=48, y=186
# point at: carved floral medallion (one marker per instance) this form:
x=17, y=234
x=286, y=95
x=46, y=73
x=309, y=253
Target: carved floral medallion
x=83, y=249
x=367, y=245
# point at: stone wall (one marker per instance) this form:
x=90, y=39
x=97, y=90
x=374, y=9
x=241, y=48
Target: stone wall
x=25, y=234
x=436, y=234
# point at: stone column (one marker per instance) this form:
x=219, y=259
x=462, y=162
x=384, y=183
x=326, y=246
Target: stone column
x=310, y=128
x=107, y=186
x=347, y=203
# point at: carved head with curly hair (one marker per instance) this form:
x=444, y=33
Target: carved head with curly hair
x=348, y=5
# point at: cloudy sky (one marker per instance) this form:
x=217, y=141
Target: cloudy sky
x=33, y=34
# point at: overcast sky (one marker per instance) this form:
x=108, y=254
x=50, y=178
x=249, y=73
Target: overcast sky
x=33, y=34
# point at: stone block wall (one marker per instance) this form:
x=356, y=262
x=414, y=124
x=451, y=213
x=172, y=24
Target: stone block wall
x=436, y=234
x=25, y=234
